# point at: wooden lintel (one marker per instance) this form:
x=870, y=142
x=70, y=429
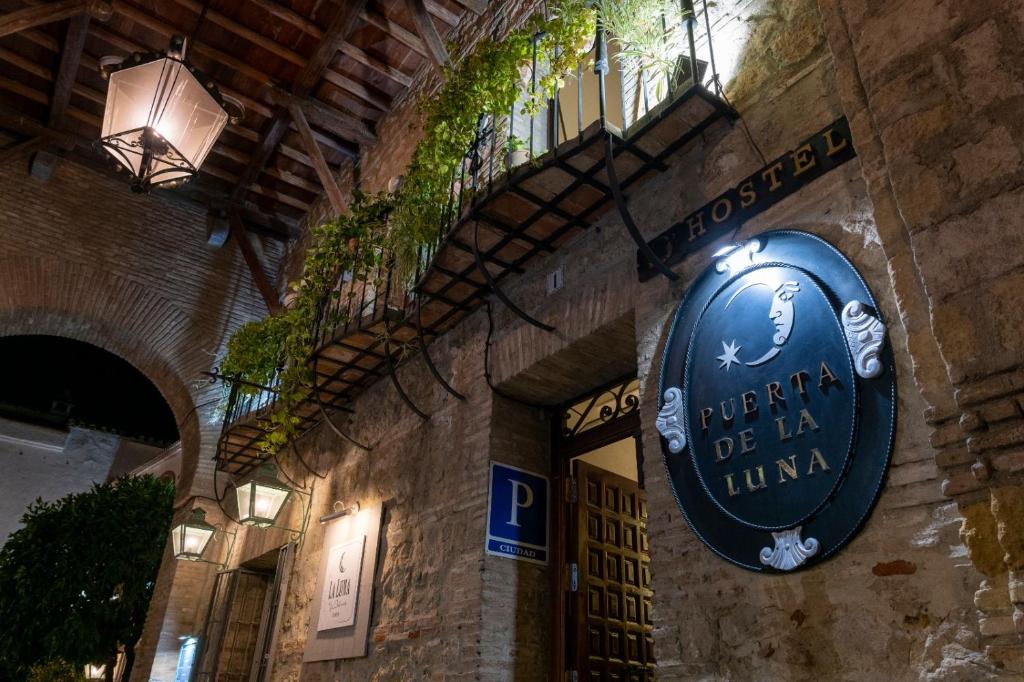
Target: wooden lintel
x=428, y=32
x=70, y=58
x=266, y=289
x=338, y=122
x=323, y=171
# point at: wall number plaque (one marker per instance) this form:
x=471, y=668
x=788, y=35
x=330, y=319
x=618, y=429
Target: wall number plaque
x=778, y=397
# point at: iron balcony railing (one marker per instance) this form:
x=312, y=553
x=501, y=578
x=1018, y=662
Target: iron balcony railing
x=635, y=93
x=614, y=96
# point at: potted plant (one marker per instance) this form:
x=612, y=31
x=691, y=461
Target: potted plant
x=518, y=154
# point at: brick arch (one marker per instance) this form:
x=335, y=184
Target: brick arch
x=54, y=297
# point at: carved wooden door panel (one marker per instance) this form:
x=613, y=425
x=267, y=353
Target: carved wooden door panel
x=613, y=605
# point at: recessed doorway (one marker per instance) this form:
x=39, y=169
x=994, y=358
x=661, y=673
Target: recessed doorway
x=604, y=607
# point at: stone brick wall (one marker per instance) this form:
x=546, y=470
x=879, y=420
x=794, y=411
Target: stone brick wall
x=934, y=90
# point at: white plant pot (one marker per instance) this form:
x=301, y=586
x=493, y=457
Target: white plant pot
x=516, y=158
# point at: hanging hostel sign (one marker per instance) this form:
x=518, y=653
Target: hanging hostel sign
x=778, y=402
x=824, y=151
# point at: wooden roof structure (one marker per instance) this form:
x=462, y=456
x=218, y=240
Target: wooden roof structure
x=314, y=76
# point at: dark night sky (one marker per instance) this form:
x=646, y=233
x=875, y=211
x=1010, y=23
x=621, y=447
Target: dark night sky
x=104, y=391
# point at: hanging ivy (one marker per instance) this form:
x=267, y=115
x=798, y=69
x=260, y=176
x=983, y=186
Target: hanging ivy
x=487, y=82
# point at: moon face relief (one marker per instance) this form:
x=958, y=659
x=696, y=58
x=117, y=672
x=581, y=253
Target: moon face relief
x=786, y=441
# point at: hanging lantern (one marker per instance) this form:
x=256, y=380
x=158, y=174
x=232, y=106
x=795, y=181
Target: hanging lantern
x=261, y=497
x=162, y=117
x=189, y=539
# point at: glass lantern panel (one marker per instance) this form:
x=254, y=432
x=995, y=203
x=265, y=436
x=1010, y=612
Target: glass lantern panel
x=130, y=97
x=190, y=118
x=268, y=501
x=191, y=540
x=244, y=493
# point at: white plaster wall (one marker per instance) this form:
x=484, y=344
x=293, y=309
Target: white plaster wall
x=42, y=462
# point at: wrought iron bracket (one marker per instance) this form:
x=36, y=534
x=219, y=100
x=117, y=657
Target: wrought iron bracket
x=326, y=417
x=426, y=354
x=493, y=284
x=392, y=370
x=627, y=218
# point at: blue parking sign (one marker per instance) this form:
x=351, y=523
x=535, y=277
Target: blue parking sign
x=517, y=514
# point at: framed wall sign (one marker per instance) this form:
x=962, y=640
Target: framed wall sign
x=339, y=622
x=517, y=514
x=778, y=398
x=341, y=585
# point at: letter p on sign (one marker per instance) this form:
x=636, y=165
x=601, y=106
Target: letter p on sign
x=524, y=500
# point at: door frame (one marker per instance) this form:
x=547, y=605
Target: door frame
x=562, y=525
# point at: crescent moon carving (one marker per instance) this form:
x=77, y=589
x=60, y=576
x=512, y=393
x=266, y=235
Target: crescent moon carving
x=782, y=315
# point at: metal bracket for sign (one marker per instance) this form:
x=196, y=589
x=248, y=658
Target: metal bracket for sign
x=493, y=284
x=627, y=218
x=426, y=354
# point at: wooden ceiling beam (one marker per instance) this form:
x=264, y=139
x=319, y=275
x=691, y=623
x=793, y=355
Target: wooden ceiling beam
x=294, y=18
x=441, y=12
x=67, y=73
x=338, y=122
x=361, y=56
x=254, y=37
x=259, y=276
x=323, y=171
x=356, y=88
x=475, y=6
x=292, y=179
x=142, y=18
x=275, y=132
x=342, y=26
x=396, y=31
x=427, y=30
x=276, y=227
x=40, y=14
x=336, y=35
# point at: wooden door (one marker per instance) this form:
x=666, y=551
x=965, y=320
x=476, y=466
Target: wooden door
x=613, y=597
x=232, y=626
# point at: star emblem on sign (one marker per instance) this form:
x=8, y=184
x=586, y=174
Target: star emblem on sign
x=728, y=358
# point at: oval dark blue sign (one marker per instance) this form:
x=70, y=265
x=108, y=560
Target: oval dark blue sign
x=778, y=394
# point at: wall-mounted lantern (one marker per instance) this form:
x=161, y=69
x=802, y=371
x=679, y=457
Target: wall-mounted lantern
x=261, y=497
x=162, y=116
x=190, y=538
